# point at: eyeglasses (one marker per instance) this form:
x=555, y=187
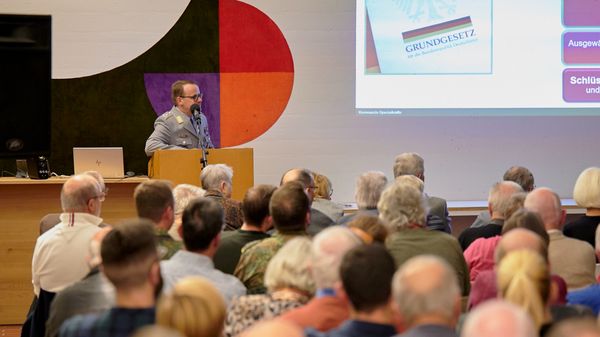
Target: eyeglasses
x=194, y=97
x=101, y=197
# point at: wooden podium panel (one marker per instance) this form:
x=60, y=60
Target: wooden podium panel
x=183, y=166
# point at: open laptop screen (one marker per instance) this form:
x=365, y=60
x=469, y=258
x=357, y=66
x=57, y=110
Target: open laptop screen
x=108, y=161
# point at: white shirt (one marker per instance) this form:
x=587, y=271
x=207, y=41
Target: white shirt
x=59, y=257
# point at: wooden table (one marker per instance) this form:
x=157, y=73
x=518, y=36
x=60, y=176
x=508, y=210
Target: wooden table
x=23, y=202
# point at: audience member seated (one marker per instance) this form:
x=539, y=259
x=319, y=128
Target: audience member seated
x=367, y=192
x=154, y=201
x=523, y=279
x=194, y=307
x=433, y=222
x=183, y=194
x=94, y=293
x=427, y=297
x=498, y=201
x=318, y=220
x=369, y=229
x=480, y=254
x=59, y=254
x=572, y=259
x=587, y=195
x=288, y=283
x=520, y=175
x=202, y=222
x=484, y=287
x=322, y=200
x=498, y=318
x=411, y=163
x=366, y=272
x=290, y=210
x=327, y=309
x=257, y=222
x=217, y=181
x=131, y=263
x=402, y=209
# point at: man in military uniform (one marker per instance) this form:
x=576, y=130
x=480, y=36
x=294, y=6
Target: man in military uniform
x=290, y=209
x=154, y=200
x=177, y=129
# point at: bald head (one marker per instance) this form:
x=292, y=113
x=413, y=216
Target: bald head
x=497, y=318
x=426, y=286
x=81, y=193
x=546, y=204
x=520, y=238
x=304, y=177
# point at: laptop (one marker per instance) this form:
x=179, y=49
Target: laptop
x=108, y=161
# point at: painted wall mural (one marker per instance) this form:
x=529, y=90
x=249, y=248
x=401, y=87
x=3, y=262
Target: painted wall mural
x=236, y=54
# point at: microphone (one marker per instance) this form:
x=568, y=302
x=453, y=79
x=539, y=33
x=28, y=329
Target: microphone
x=195, y=108
x=196, y=111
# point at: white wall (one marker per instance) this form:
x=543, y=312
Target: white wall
x=320, y=129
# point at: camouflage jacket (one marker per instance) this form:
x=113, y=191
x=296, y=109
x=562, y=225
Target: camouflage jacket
x=167, y=246
x=255, y=258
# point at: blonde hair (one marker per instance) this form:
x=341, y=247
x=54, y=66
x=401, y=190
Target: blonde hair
x=289, y=267
x=523, y=278
x=323, y=187
x=587, y=188
x=194, y=307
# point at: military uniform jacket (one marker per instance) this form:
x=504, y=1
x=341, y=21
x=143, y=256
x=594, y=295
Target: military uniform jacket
x=174, y=130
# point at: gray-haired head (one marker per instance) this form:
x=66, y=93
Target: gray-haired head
x=412, y=181
x=328, y=249
x=289, y=268
x=426, y=285
x=183, y=194
x=214, y=176
x=369, y=187
x=499, y=197
x=79, y=193
x=498, y=318
x=402, y=206
x=409, y=163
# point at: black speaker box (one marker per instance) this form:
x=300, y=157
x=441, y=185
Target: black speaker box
x=38, y=168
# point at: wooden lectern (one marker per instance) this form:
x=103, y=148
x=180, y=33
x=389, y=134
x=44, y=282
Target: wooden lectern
x=183, y=166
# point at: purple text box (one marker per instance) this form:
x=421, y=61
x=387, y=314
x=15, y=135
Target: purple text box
x=581, y=85
x=578, y=13
x=581, y=48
